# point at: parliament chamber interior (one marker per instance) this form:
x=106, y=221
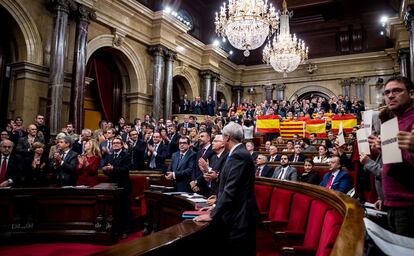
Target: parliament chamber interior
x=191, y=127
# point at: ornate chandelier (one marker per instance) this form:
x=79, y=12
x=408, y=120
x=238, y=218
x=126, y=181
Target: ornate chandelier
x=286, y=52
x=246, y=23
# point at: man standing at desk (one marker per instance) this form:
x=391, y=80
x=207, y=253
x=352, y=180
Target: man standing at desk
x=234, y=215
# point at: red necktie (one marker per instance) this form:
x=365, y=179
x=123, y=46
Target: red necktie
x=328, y=185
x=3, y=169
x=258, y=171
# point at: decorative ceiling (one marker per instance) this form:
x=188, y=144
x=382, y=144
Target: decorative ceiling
x=329, y=27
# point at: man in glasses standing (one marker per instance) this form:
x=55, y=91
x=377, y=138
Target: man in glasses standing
x=10, y=165
x=397, y=178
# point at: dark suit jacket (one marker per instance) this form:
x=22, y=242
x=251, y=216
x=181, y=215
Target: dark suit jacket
x=182, y=170
x=35, y=177
x=189, y=125
x=301, y=157
x=77, y=147
x=342, y=181
x=267, y=171
x=210, y=107
x=173, y=145
x=65, y=174
x=14, y=170
x=137, y=155
x=311, y=177
x=162, y=153
x=290, y=174
x=209, y=153
x=236, y=209
x=23, y=145
x=184, y=106
x=276, y=159
x=216, y=164
x=255, y=155
x=120, y=172
x=199, y=109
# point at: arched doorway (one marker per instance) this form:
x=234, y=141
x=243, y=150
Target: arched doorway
x=181, y=86
x=11, y=50
x=103, y=96
x=312, y=94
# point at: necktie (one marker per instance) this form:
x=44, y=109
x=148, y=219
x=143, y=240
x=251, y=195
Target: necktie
x=328, y=185
x=258, y=171
x=282, y=173
x=181, y=156
x=296, y=158
x=63, y=156
x=152, y=162
x=3, y=169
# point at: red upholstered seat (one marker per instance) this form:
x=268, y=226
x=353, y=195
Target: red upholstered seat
x=138, y=206
x=299, y=211
x=280, y=205
x=331, y=226
x=263, y=194
x=314, y=225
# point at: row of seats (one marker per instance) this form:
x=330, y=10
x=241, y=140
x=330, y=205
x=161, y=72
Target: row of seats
x=296, y=223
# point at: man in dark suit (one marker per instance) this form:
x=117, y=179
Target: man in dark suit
x=79, y=145
x=156, y=153
x=186, y=124
x=197, y=106
x=116, y=166
x=285, y=171
x=211, y=169
x=136, y=151
x=235, y=213
x=184, y=105
x=210, y=106
x=297, y=156
x=173, y=138
x=337, y=179
x=181, y=167
x=250, y=148
x=273, y=156
x=205, y=152
x=262, y=169
x=63, y=163
x=24, y=146
x=11, y=165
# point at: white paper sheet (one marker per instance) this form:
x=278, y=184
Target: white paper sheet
x=362, y=138
x=341, y=137
x=388, y=242
x=389, y=143
x=367, y=118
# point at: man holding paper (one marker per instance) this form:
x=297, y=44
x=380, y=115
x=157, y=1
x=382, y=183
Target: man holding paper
x=398, y=176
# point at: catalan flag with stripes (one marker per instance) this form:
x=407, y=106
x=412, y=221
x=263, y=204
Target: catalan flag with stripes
x=348, y=122
x=268, y=124
x=317, y=126
x=289, y=128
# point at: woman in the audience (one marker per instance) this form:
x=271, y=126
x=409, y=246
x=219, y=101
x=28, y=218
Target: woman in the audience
x=164, y=136
x=309, y=175
x=88, y=163
x=248, y=129
x=215, y=130
x=36, y=167
x=323, y=157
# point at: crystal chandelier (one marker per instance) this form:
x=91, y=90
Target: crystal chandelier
x=286, y=52
x=246, y=23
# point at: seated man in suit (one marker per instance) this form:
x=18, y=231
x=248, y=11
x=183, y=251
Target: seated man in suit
x=116, y=166
x=297, y=155
x=262, y=169
x=11, y=165
x=285, y=171
x=273, y=156
x=337, y=179
x=63, y=163
x=181, y=166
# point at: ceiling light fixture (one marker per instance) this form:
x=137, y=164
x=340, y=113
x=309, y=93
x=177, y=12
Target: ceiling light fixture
x=285, y=52
x=246, y=23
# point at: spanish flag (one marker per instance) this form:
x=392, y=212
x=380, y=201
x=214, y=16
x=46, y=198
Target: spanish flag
x=348, y=122
x=268, y=124
x=317, y=126
x=289, y=128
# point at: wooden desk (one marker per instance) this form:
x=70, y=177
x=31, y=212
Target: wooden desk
x=59, y=214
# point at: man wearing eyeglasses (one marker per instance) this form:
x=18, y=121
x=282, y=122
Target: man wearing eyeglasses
x=397, y=178
x=10, y=164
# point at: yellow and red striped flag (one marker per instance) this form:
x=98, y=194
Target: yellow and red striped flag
x=268, y=124
x=289, y=128
x=348, y=122
x=317, y=126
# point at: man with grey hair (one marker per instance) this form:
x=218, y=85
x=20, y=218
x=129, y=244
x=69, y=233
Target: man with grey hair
x=11, y=165
x=63, y=163
x=79, y=145
x=235, y=213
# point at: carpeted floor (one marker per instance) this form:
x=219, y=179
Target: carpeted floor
x=59, y=249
